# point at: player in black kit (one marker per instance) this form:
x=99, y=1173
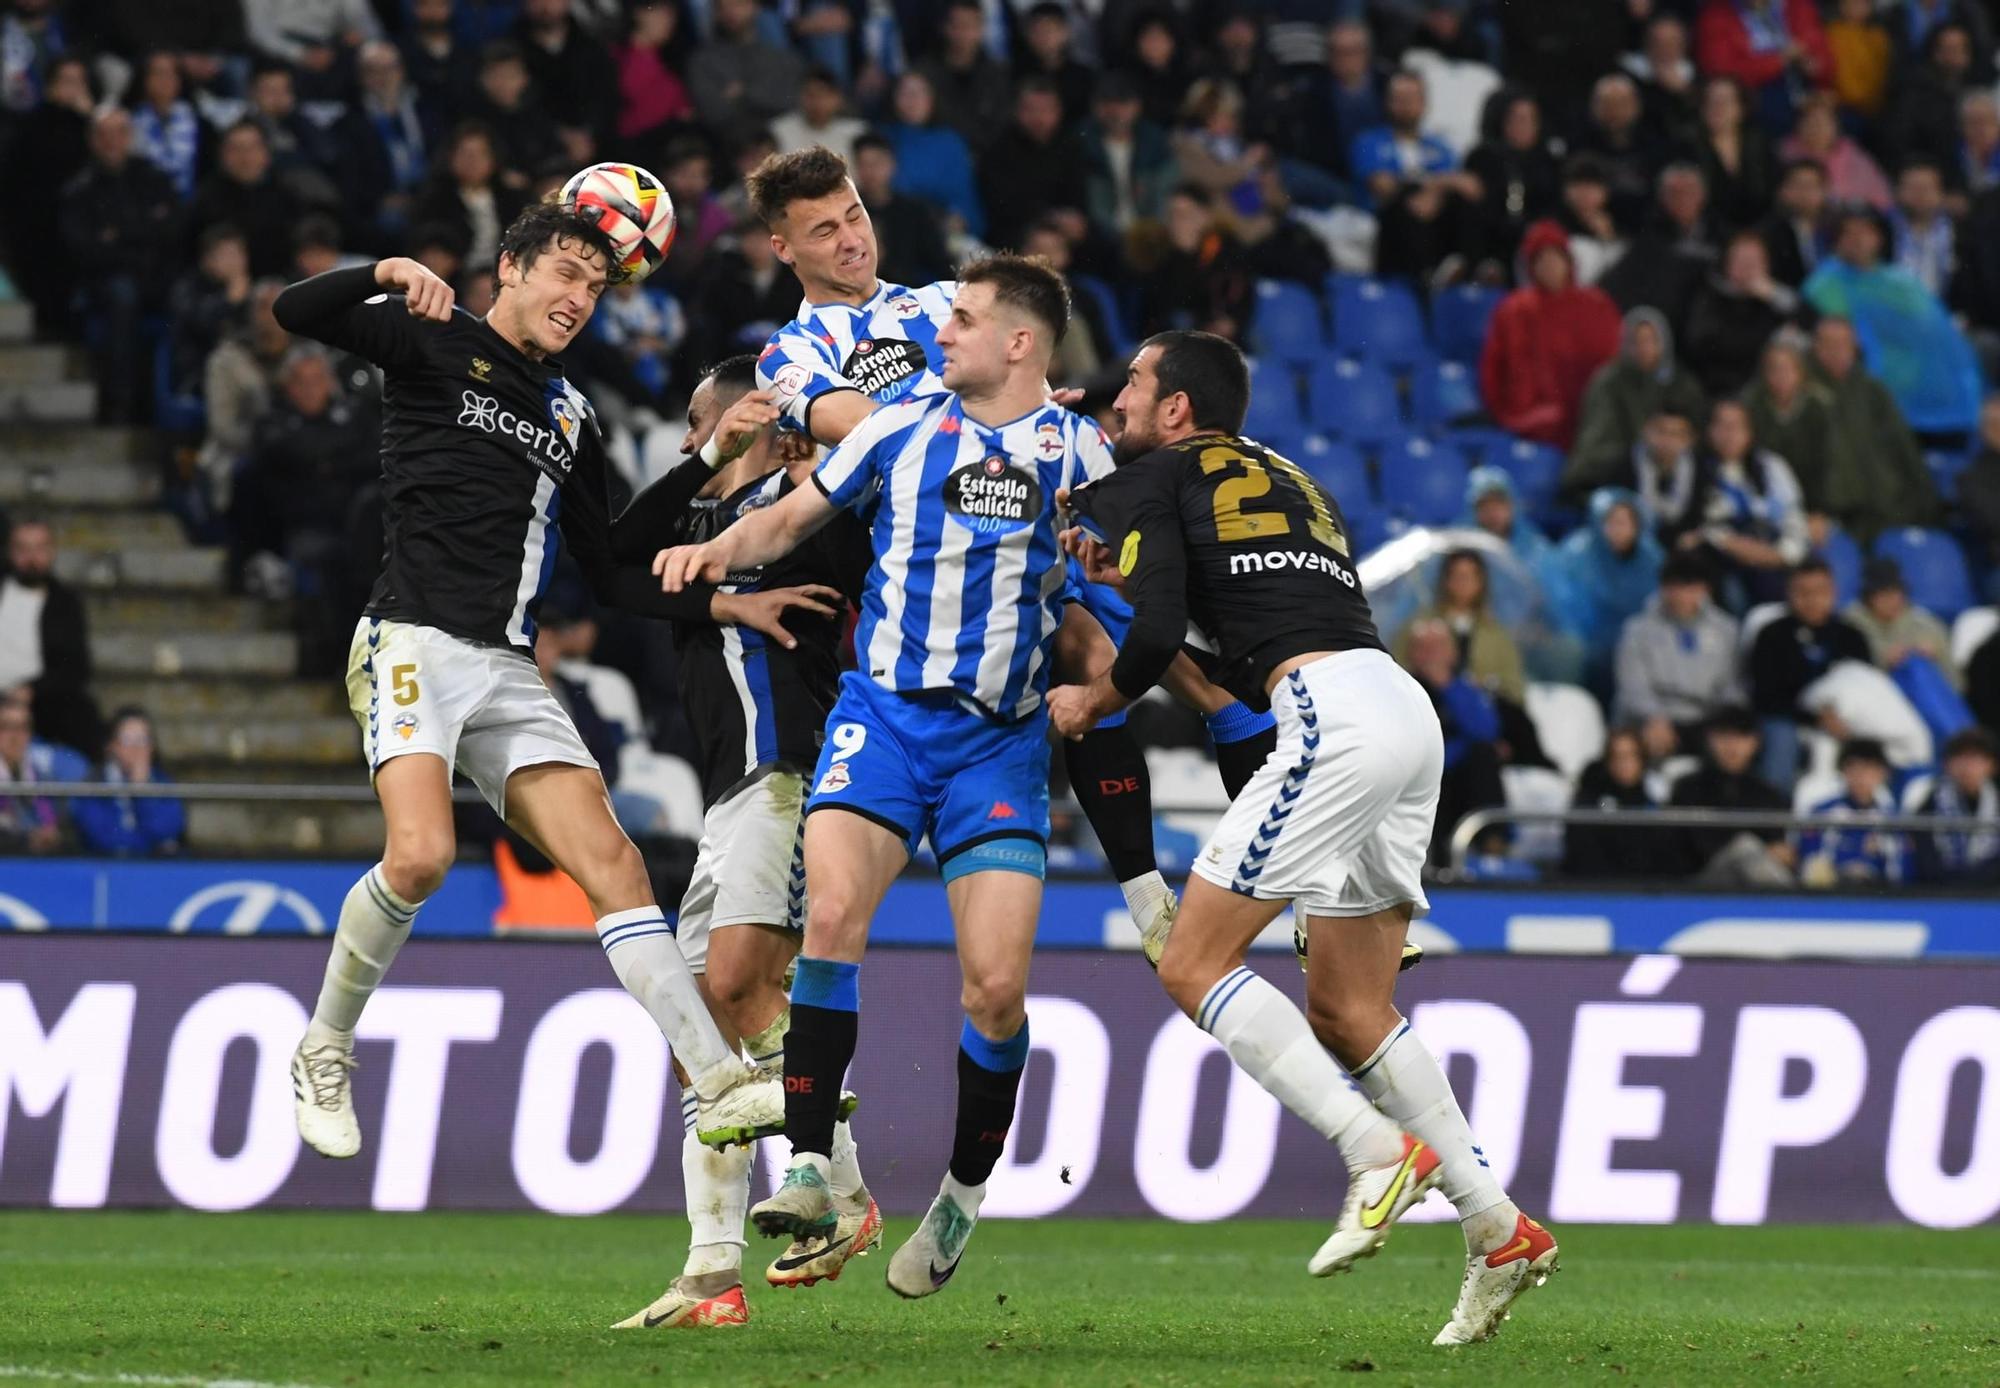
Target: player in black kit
x=1199, y=522
x=487, y=451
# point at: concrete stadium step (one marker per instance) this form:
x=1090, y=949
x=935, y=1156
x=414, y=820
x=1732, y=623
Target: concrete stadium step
x=73, y=445
x=17, y=321
x=52, y=402
x=265, y=829
x=93, y=482
x=117, y=530
x=179, y=569
x=122, y=610
x=225, y=700
x=40, y=363
x=326, y=744
x=264, y=653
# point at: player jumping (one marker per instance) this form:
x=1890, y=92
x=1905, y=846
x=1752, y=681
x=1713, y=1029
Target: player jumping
x=757, y=708
x=486, y=451
x=1199, y=521
x=942, y=729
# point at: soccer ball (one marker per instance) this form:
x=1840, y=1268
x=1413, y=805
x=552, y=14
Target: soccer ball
x=631, y=207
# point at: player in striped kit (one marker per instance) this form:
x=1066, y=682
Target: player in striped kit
x=941, y=731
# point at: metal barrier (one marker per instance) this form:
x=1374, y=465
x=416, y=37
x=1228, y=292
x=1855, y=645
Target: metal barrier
x=1471, y=826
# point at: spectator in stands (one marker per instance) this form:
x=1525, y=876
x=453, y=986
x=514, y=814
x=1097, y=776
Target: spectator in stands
x=1596, y=238
x=1344, y=100
x=208, y=304
x=1911, y=23
x=909, y=238
x=203, y=35
x=1843, y=857
x=1643, y=380
x=29, y=823
x=1676, y=664
x=1604, y=575
x=651, y=96
x=1615, y=781
x=1080, y=356
x=1982, y=683
x=299, y=153
x=1546, y=341
x=1922, y=236
x=1662, y=470
x=820, y=118
x=1209, y=143
x=50, y=147
x=1749, y=517
x=237, y=384
x=1734, y=154
x=1864, y=59
x=1772, y=47
x=384, y=149
x=316, y=247
x=1896, y=628
x=574, y=74
x=45, y=636
x=1923, y=119
x=1487, y=654
x=972, y=91
x=740, y=82
x=244, y=192
x=507, y=106
x=1978, y=166
x=1720, y=856
x=932, y=160
x=1793, y=233
x=1493, y=505
x=1204, y=281
x=166, y=132
x=1793, y=418
x=1129, y=165
x=1852, y=176
x=1667, y=80
x=441, y=65
x=1035, y=167
x=316, y=37
x=1734, y=314
x=644, y=325
x=1426, y=205
x=1161, y=67
x=1958, y=857
x=1471, y=727
x=1673, y=252
x=687, y=173
x=1618, y=137
x=1979, y=485
x=1876, y=478
x=130, y=826
x=1046, y=41
x=744, y=294
x=468, y=195
x=1520, y=180
x=1792, y=651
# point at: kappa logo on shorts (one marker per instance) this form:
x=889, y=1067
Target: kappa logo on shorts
x=836, y=779
x=405, y=726
x=1002, y=810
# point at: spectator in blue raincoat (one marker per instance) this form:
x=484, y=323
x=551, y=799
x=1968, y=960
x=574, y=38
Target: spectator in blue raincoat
x=1603, y=576
x=128, y=826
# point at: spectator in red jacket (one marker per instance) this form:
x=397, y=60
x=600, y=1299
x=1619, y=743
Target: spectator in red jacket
x=1547, y=339
x=1770, y=46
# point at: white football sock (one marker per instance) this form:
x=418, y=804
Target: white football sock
x=718, y=1200
x=1271, y=1039
x=844, y=1180
x=1406, y=1083
x=1143, y=895
x=647, y=961
x=967, y=1198
x=374, y=922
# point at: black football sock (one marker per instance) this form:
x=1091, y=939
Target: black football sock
x=1107, y=774
x=826, y=1015
x=989, y=1080
x=1244, y=740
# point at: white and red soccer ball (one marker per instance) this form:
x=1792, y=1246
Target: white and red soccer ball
x=629, y=206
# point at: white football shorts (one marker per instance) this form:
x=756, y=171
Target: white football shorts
x=1338, y=819
x=750, y=868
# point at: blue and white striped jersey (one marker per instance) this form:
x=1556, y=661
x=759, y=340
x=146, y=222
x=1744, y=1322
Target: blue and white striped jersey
x=886, y=348
x=968, y=583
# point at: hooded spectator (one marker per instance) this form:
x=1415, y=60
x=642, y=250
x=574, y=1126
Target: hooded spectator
x=1640, y=382
x=1606, y=572
x=1876, y=478
x=1487, y=654
x=1493, y=504
x=1547, y=339
x=1677, y=662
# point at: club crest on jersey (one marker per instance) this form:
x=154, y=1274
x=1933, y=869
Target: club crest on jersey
x=563, y=414
x=992, y=496
x=881, y=367
x=1048, y=442
x=836, y=779
x=905, y=306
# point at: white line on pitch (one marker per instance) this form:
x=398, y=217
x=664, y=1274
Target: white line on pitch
x=137, y=1380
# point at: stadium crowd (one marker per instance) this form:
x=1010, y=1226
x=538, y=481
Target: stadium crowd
x=1670, y=325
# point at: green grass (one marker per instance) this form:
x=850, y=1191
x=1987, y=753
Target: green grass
x=476, y=1299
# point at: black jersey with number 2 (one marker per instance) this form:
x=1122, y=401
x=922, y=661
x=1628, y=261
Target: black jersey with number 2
x=1227, y=535
x=486, y=454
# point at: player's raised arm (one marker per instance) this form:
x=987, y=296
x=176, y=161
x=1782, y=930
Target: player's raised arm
x=757, y=538
x=354, y=308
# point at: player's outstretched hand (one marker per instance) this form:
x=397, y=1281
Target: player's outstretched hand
x=1071, y=711
x=426, y=295
x=765, y=611
x=1069, y=397
x=1100, y=565
x=740, y=424
x=685, y=564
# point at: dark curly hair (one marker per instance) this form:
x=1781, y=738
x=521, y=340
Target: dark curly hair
x=545, y=224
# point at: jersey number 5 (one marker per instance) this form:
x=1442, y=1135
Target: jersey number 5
x=1233, y=523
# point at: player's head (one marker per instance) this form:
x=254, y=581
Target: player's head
x=721, y=386
x=1009, y=313
x=817, y=223
x=1181, y=382
x=553, y=266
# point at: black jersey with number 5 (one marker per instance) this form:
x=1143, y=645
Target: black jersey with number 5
x=1237, y=540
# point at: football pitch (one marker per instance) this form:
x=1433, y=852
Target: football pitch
x=345, y=1299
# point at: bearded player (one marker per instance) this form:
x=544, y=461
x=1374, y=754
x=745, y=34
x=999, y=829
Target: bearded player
x=1201, y=522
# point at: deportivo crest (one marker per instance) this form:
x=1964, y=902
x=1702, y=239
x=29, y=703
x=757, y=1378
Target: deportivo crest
x=881, y=366
x=1048, y=442
x=835, y=779
x=905, y=306
x=991, y=496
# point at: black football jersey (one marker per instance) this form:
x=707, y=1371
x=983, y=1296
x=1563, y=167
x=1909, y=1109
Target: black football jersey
x=487, y=454
x=1233, y=548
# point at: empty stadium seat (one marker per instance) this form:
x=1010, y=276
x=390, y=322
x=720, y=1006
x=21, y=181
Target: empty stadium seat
x=1911, y=799
x=1459, y=317
x=1569, y=724
x=1536, y=788
x=1933, y=568
x=1352, y=400
x=1423, y=481
x=1974, y=628
x=1106, y=299
x=1843, y=556
x=1274, y=403
x=1378, y=320
x=1337, y=467
x=1536, y=468
x=1945, y=465
x=1288, y=325
x=1443, y=391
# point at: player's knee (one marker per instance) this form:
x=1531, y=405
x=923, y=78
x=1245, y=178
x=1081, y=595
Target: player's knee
x=415, y=860
x=611, y=869
x=737, y=986
x=996, y=1002
x=1190, y=965
x=1349, y=1027
x=835, y=924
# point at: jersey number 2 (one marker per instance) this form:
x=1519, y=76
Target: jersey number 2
x=1233, y=523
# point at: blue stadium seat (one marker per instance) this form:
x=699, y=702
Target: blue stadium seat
x=1933, y=568
x=1844, y=557
x=1378, y=320
x=1288, y=325
x=1536, y=468
x=1443, y=391
x=1479, y=444
x=1945, y=467
x=1422, y=481
x=1338, y=468
x=1274, y=415
x=1459, y=316
x=1106, y=299
x=1355, y=401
